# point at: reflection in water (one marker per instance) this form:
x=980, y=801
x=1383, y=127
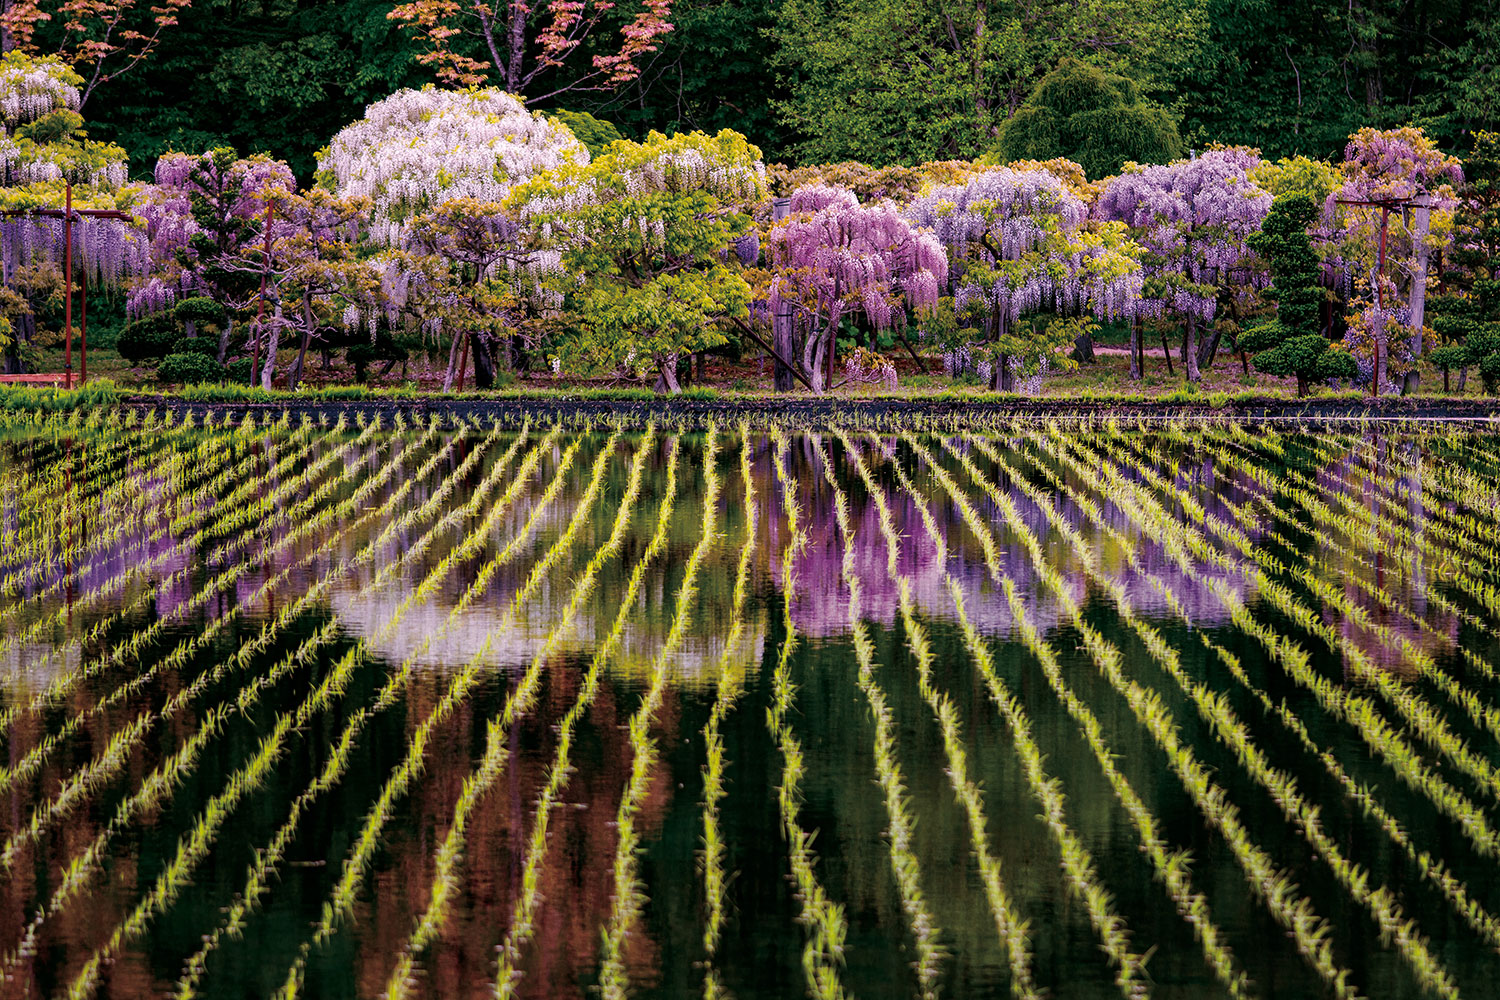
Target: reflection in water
x=170, y=610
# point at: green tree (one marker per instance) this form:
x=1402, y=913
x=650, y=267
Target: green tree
x=278, y=77
x=1467, y=313
x=642, y=232
x=897, y=81
x=1096, y=119
x=1293, y=344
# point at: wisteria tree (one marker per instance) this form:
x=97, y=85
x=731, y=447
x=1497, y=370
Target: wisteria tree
x=417, y=149
x=100, y=39
x=43, y=149
x=1399, y=182
x=845, y=260
x=205, y=217
x=472, y=289
x=316, y=278
x=643, y=235
x=1193, y=217
x=1023, y=255
x=525, y=47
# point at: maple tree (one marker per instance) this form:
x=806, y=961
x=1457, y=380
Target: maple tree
x=526, y=42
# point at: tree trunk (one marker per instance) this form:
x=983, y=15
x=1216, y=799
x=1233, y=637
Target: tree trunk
x=783, y=327
x=1003, y=375
x=812, y=360
x=1301, y=384
x=1083, y=349
x=1166, y=351
x=1445, y=380
x=295, y=375
x=1208, y=350
x=190, y=327
x=448, y=377
x=225, y=335
x=1463, y=377
x=702, y=372
x=1190, y=350
x=666, y=364
x=484, y=361
x=1136, y=365
x=272, y=343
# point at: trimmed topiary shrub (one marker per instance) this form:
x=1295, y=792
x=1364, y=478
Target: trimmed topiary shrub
x=1096, y=119
x=206, y=346
x=185, y=369
x=149, y=338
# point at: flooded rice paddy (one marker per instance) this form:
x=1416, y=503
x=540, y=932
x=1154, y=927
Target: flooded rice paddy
x=330, y=710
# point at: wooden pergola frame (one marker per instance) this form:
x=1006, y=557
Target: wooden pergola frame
x=67, y=213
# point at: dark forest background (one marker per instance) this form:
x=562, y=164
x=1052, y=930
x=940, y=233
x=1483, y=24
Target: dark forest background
x=884, y=81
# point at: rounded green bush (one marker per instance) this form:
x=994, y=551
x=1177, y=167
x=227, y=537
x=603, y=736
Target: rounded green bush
x=149, y=338
x=184, y=369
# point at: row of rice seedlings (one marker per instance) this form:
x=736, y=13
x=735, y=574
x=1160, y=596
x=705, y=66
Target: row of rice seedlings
x=1467, y=572
x=1457, y=528
x=304, y=439
x=155, y=791
x=1106, y=657
x=523, y=918
x=105, y=765
x=1353, y=708
x=1361, y=523
x=1309, y=932
x=901, y=829
x=1215, y=711
x=1483, y=716
x=822, y=920
x=1171, y=867
x=84, y=477
x=728, y=685
x=628, y=897
x=445, y=882
x=269, y=858
x=1424, y=719
x=1433, y=869
x=197, y=843
x=24, y=576
x=131, y=735
x=367, y=843
x=1009, y=926
x=1271, y=486
x=65, y=682
x=1326, y=532
x=151, y=526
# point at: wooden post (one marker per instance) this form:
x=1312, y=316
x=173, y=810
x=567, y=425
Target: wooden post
x=83, y=330
x=260, y=315
x=1380, y=335
x=782, y=332
x=68, y=290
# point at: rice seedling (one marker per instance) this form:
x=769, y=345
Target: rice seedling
x=629, y=894
x=1287, y=641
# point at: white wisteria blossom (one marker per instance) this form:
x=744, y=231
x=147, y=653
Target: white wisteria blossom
x=418, y=149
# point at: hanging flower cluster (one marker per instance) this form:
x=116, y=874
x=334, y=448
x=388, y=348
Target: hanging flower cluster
x=31, y=88
x=1020, y=245
x=42, y=142
x=850, y=259
x=1193, y=217
x=416, y=149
